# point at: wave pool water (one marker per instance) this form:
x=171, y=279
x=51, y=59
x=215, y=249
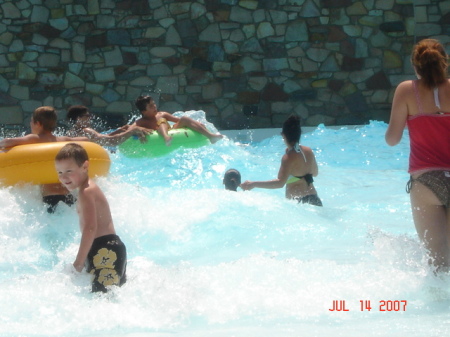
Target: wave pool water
x=204, y=261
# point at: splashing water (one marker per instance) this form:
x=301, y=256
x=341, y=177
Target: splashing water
x=204, y=261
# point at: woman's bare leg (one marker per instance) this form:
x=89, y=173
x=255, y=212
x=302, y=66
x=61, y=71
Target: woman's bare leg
x=432, y=224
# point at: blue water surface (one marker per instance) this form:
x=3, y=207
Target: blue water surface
x=204, y=261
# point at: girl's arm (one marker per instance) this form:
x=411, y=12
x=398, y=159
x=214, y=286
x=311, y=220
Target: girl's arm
x=88, y=226
x=399, y=114
x=283, y=175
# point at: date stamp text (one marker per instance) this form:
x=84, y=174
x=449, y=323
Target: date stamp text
x=368, y=305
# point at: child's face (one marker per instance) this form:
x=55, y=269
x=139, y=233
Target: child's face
x=150, y=108
x=70, y=174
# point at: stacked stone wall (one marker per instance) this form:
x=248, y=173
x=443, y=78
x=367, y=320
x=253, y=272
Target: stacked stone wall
x=247, y=63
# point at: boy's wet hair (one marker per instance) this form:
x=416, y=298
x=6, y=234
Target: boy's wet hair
x=291, y=129
x=232, y=179
x=73, y=151
x=76, y=111
x=46, y=115
x=142, y=101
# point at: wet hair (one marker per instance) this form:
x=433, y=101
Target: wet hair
x=232, y=179
x=142, y=101
x=430, y=60
x=73, y=151
x=292, y=130
x=76, y=111
x=46, y=115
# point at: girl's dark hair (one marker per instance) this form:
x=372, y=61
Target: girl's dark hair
x=292, y=130
x=142, y=101
x=430, y=60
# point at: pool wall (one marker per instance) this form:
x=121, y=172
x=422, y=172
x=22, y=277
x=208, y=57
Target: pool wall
x=248, y=64
x=257, y=135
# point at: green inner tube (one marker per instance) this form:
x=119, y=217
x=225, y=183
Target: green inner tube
x=156, y=147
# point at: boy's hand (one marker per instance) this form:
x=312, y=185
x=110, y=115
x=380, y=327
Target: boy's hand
x=69, y=268
x=78, y=267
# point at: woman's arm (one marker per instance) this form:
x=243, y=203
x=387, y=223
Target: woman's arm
x=399, y=113
x=283, y=174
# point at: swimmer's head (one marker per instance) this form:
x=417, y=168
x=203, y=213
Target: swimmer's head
x=430, y=62
x=291, y=130
x=73, y=151
x=46, y=115
x=232, y=179
x=142, y=102
x=77, y=111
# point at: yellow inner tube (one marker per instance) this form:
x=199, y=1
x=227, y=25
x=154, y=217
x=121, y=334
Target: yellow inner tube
x=35, y=163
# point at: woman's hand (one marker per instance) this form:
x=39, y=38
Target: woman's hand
x=247, y=185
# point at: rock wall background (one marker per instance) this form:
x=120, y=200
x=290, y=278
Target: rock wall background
x=248, y=64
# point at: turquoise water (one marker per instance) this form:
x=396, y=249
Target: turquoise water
x=208, y=262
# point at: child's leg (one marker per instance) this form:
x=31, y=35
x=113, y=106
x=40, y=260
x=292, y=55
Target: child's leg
x=199, y=127
x=163, y=130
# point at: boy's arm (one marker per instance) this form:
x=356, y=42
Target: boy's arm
x=168, y=116
x=28, y=139
x=72, y=139
x=120, y=130
x=119, y=136
x=88, y=226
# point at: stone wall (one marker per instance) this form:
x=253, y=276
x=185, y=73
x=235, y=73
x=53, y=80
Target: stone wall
x=247, y=63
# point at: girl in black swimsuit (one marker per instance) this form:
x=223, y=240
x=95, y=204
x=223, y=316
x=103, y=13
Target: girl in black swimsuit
x=298, y=166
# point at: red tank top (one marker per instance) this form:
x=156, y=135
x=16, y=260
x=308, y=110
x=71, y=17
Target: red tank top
x=429, y=136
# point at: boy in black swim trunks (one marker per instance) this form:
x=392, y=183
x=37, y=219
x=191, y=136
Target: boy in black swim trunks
x=101, y=250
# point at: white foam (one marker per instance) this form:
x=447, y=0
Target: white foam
x=208, y=262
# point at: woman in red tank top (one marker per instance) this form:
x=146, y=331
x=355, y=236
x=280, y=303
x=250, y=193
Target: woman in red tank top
x=423, y=106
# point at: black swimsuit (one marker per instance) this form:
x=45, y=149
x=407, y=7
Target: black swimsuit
x=308, y=178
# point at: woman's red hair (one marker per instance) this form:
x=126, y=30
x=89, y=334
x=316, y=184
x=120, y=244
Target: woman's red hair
x=430, y=60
